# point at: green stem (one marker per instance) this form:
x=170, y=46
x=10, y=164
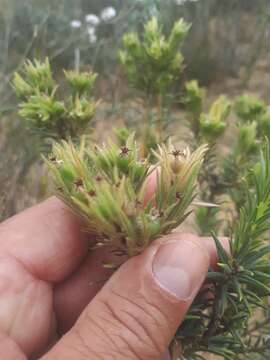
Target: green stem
x=159, y=117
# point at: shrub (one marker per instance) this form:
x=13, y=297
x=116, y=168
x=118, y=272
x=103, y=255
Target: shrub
x=106, y=184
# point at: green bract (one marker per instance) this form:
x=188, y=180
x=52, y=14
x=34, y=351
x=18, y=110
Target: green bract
x=107, y=186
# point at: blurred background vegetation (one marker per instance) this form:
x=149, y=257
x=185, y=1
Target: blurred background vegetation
x=227, y=50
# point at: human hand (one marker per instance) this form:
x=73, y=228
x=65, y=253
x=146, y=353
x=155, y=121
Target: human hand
x=50, y=285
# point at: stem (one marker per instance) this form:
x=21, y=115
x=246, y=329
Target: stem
x=159, y=117
x=147, y=125
x=213, y=325
x=77, y=60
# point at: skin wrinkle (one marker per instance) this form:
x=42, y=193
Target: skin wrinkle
x=82, y=348
x=113, y=344
x=161, y=327
x=125, y=327
x=155, y=346
x=135, y=305
x=114, y=339
x=89, y=351
x=140, y=326
x=102, y=334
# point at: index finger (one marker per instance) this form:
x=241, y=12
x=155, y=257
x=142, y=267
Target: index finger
x=47, y=239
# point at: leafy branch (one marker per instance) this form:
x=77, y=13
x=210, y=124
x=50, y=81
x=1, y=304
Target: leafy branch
x=44, y=112
x=220, y=314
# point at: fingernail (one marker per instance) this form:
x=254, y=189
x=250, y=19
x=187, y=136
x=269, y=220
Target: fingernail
x=180, y=267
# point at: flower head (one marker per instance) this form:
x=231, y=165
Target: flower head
x=106, y=186
x=76, y=24
x=92, y=19
x=91, y=30
x=178, y=168
x=108, y=13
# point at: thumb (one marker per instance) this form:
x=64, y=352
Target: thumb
x=138, y=311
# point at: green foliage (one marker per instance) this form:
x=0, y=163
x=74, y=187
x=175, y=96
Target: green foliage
x=81, y=83
x=209, y=127
x=217, y=323
x=247, y=139
x=36, y=78
x=194, y=98
x=106, y=186
x=249, y=108
x=213, y=124
x=122, y=134
x=152, y=62
x=42, y=108
x=264, y=123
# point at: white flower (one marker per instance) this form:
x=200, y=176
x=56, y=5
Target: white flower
x=108, y=13
x=76, y=24
x=91, y=30
x=92, y=19
x=92, y=39
x=182, y=2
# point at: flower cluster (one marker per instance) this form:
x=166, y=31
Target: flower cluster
x=213, y=124
x=208, y=126
x=42, y=109
x=92, y=21
x=107, y=187
x=153, y=61
x=249, y=108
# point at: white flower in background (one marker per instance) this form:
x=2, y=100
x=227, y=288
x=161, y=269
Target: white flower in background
x=76, y=24
x=92, y=39
x=108, y=13
x=180, y=2
x=91, y=30
x=92, y=19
